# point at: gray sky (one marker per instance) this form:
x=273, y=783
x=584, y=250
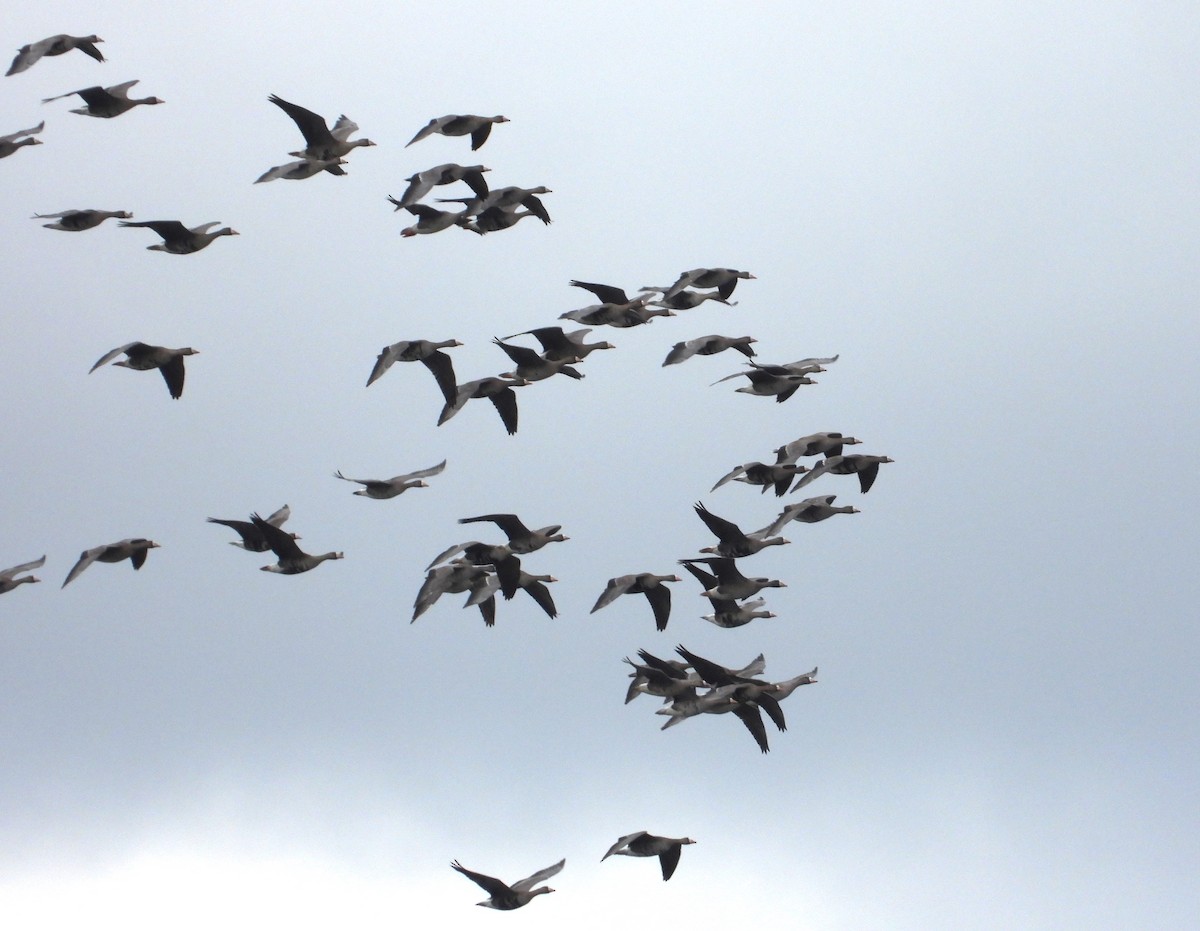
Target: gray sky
x=990, y=213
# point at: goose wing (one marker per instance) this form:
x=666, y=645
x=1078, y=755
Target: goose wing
x=109, y=356
x=623, y=842
x=490, y=884
x=659, y=597
x=24, y=567
x=173, y=374
x=281, y=542
x=524, y=885
x=86, y=558
x=311, y=125
x=615, y=589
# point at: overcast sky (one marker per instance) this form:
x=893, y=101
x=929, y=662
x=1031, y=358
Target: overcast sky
x=988, y=211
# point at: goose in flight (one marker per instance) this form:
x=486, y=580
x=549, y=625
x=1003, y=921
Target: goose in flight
x=641, y=583
x=767, y=384
x=291, y=559
x=708, y=346
x=520, y=538
x=808, y=511
x=429, y=354
x=645, y=844
x=865, y=467
x=177, y=238
x=477, y=127
x=425, y=181
x=252, y=538
x=107, y=102
x=733, y=542
x=321, y=143
x=74, y=221
x=559, y=346
x=143, y=357
x=815, y=444
x=461, y=575
x=29, y=55
x=134, y=549
x=430, y=219
x=723, y=279
x=397, y=485
x=731, y=585
x=779, y=476
x=532, y=366
x=9, y=577
x=304, y=168
x=497, y=390
x=505, y=897
x=13, y=141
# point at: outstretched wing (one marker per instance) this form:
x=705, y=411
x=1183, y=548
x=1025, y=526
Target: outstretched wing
x=529, y=882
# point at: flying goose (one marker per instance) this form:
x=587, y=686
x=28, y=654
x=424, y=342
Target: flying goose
x=497, y=390
x=477, y=127
x=321, y=143
x=690, y=703
x=253, y=539
x=731, y=584
x=74, y=221
x=645, y=844
x=134, y=549
x=517, y=578
x=506, y=199
x=304, y=168
x=397, y=485
x=494, y=219
x=532, y=366
x=733, y=542
x=750, y=695
x=28, y=55
x=623, y=316
x=429, y=354
x=815, y=444
x=723, y=279
x=769, y=384
x=292, y=560
x=459, y=576
x=8, y=577
x=641, y=583
x=808, y=511
x=708, y=346
x=687, y=300
x=865, y=467
x=425, y=181
x=177, y=238
x=430, y=219
x=559, y=346
x=106, y=102
x=779, y=476
x=520, y=538
x=506, y=897
x=663, y=678
x=13, y=141
x=143, y=357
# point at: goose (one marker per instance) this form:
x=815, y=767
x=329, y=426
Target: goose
x=107, y=102
x=641, y=583
x=397, y=485
x=8, y=577
x=779, y=476
x=645, y=844
x=533, y=367
x=506, y=199
x=13, y=141
x=430, y=219
x=505, y=897
x=815, y=444
x=769, y=384
x=253, y=539
x=663, y=678
x=304, y=168
x=477, y=127
x=723, y=279
x=459, y=576
x=321, y=143
x=425, y=181
x=520, y=538
x=731, y=584
x=808, y=511
x=497, y=390
x=178, y=239
x=865, y=467
x=292, y=560
x=494, y=219
x=75, y=221
x=688, y=300
x=559, y=346
x=143, y=357
x=29, y=55
x=623, y=316
x=429, y=354
x=734, y=543
x=749, y=695
x=708, y=346
x=134, y=549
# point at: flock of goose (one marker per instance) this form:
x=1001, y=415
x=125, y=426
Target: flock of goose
x=690, y=685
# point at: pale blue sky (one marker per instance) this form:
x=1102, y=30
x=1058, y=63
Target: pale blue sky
x=989, y=212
